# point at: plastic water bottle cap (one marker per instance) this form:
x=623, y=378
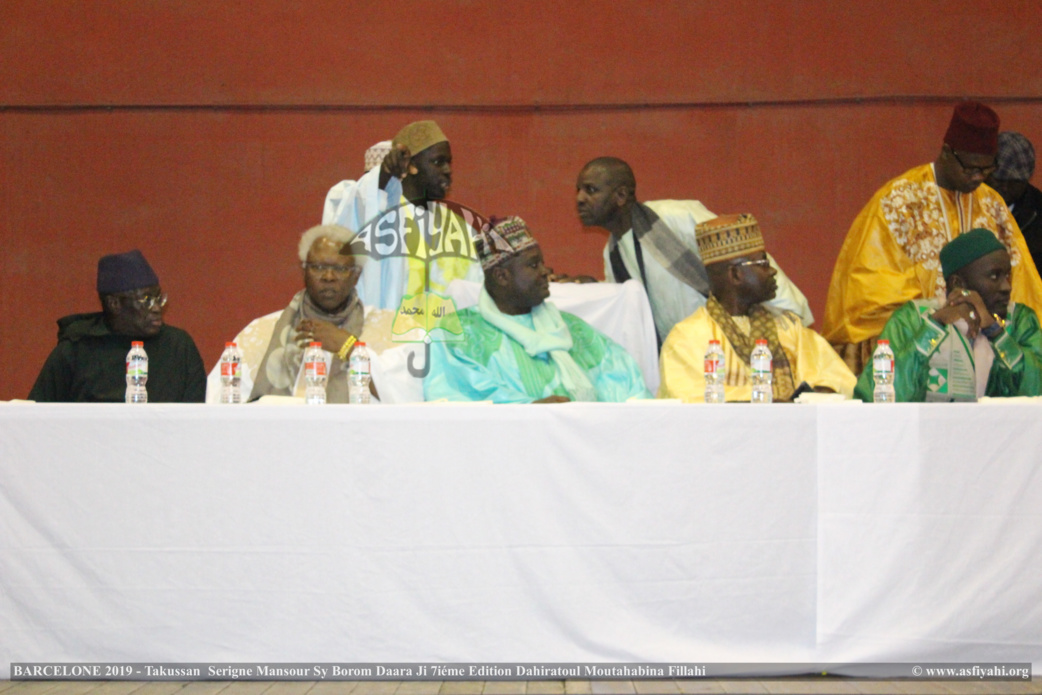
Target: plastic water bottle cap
x=360, y=343
x=883, y=342
x=314, y=343
x=137, y=343
x=229, y=345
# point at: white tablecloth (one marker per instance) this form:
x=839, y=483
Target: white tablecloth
x=577, y=532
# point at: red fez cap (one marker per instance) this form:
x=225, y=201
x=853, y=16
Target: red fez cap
x=974, y=128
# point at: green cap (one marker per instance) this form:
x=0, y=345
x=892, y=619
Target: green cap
x=966, y=248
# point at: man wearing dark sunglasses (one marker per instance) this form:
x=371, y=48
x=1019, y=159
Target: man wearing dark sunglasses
x=890, y=255
x=89, y=362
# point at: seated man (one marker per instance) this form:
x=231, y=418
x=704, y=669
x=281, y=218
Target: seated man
x=89, y=362
x=518, y=348
x=741, y=280
x=975, y=342
x=890, y=254
x=326, y=310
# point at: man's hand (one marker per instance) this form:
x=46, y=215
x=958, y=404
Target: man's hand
x=554, y=399
x=331, y=337
x=396, y=163
x=967, y=305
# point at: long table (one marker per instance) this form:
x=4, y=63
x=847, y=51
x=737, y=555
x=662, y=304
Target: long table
x=568, y=533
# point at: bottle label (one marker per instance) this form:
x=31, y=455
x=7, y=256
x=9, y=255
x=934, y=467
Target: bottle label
x=228, y=367
x=711, y=365
x=137, y=369
x=317, y=368
x=882, y=364
x=761, y=365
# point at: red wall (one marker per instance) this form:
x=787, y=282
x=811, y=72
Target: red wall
x=207, y=134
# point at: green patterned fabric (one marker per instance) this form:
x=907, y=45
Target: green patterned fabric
x=933, y=362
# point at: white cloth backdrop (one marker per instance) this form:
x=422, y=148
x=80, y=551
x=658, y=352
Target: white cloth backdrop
x=579, y=532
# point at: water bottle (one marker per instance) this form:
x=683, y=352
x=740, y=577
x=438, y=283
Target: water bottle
x=358, y=375
x=231, y=374
x=715, y=372
x=883, y=373
x=137, y=373
x=315, y=374
x=760, y=362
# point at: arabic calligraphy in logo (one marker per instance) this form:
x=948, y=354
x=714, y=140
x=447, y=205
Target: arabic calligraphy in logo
x=437, y=241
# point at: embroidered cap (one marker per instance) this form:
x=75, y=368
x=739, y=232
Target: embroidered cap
x=418, y=136
x=124, y=272
x=974, y=128
x=374, y=156
x=1016, y=158
x=503, y=239
x=728, y=236
x=966, y=248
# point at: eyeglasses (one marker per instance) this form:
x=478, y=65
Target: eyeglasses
x=983, y=171
x=148, y=301
x=338, y=270
x=763, y=263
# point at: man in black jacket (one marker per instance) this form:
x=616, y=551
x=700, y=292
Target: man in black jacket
x=1015, y=164
x=89, y=362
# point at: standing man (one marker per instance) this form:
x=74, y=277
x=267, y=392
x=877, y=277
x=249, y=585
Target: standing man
x=372, y=158
x=1014, y=166
x=742, y=283
x=890, y=255
x=412, y=238
x=89, y=362
x=654, y=242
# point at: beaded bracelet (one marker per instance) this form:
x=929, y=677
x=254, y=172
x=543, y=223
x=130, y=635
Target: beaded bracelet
x=346, y=348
